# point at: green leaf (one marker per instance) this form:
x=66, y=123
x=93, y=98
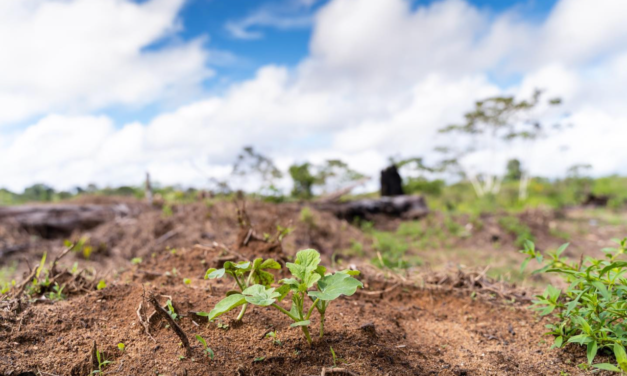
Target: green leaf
x=592, y=351
x=283, y=291
x=552, y=293
x=260, y=295
x=308, y=258
x=580, y=339
x=601, y=289
x=305, y=267
x=558, y=342
x=606, y=367
x=214, y=273
x=332, y=286
x=562, y=248
x=617, y=264
x=201, y=340
x=270, y=264
x=263, y=278
x=350, y=272
x=621, y=356
x=321, y=270
x=300, y=323
x=226, y=304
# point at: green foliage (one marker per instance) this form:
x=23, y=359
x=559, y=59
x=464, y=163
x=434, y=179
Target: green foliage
x=207, y=350
x=102, y=362
x=592, y=310
x=307, y=273
x=121, y=346
x=306, y=216
x=101, y=284
x=424, y=186
x=514, y=170
x=517, y=228
x=171, y=310
x=136, y=260
x=303, y=180
x=57, y=293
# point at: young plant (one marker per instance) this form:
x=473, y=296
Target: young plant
x=102, y=362
x=121, y=346
x=275, y=338
x=245, y=273
x=307, y=274
x=592, y=310
x=207, y=350
x=171, y=310
x=57, y=294
x=101, y=284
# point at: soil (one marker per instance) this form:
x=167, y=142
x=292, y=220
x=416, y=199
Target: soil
x=421, y=323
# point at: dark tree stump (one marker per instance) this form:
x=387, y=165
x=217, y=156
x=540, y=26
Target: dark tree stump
x=391, y=182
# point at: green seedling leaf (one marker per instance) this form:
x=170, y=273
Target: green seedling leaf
x=621, y=356
x=226, y=304
x=606, y=367
x=332, y=286
x=591, y=351
x=201, y=340
x=121, y=346
x=214, y=273
x=350, y=272
x=260, y=295
x=300, y=323
x=101, y=285
x=270, y=264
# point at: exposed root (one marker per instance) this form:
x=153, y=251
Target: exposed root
x=143, y=322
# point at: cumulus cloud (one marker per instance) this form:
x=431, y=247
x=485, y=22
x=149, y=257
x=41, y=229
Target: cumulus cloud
x=82, y=55
x=380, y=79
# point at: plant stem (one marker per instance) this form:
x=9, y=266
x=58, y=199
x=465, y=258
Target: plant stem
x=312, y=308
x=306, y=331
x=238, y=283
x=241, y=313
x=321, y=325
x=286, y=312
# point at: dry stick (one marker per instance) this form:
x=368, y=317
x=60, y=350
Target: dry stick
x=28, y=279
x=144, y=323
x=53, y=269
x=177, y=329
x=94, y=357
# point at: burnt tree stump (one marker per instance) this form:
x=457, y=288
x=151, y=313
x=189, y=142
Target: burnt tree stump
x=391, y=182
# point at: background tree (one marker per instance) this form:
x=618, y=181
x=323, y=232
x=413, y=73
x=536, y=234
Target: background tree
x=329, y=176
x=493, y=122
x=251, y=163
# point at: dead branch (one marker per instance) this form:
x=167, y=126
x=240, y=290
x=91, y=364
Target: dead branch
x=28, y=280
x=53, y=268
x=175, y=327
x=144, y=323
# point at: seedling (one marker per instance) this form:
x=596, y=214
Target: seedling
x=187, y=281
x=306, y=273
x=222, y=326
x=136, y=260
x=102, y=362
x=275, y=338
x=171, y=310
x=121, y=346
x=336, y=360
x=591, y=310
x=245, y=273
x=57, y=294
x=101, y=285
x=259, y=359
x=207, y=350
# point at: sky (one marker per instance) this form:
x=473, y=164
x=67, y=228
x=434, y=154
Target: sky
x=101, y=91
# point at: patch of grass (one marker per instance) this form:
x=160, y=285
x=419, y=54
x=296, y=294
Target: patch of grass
x=515, y=227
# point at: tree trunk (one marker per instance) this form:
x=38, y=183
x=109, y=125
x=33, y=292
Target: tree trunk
x=391, y=182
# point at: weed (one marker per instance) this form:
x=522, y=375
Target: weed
x=101, y=284
x=121, y=346
x=336, y=360
x=171, y=310
x=283, y=231
x=259, y=359
x=222, y=326
x=57, y=294
x=102, y=362
x=275, y=338
x=136, y=260
x=306, y=273
x=592, y=309
x=187, y=281
x=207, y=350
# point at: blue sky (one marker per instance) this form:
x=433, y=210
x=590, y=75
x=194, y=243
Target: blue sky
x=106, y=90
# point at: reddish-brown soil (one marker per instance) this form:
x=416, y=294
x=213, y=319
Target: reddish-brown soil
x=421, y=324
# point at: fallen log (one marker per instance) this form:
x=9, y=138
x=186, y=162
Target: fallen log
x=60, y=220
x=406, y=207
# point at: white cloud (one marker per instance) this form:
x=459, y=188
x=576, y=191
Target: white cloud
x=380, y=79
x=82, y=55
x=286, y=15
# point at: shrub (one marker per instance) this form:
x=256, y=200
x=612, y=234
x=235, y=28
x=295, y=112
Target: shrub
x=592, y=310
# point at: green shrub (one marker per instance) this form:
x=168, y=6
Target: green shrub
x=592, y=310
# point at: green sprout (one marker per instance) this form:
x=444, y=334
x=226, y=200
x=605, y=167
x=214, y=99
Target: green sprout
x=57, y=294
x=171, y=310
x=187, y=281
x=207, y=350
x=307, y=274
x=136, y=260
x=121, y=346
x=101, y=284
x=102, y=362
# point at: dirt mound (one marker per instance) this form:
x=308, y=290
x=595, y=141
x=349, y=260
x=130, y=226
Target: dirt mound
x=404, y=331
